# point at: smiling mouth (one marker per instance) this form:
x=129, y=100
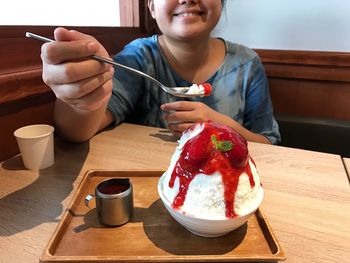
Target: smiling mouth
x=188, y=14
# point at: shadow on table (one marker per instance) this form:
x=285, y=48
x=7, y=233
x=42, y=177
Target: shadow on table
x=41, y=201
x=173, y=238
x=160, y=228
x=165, y=135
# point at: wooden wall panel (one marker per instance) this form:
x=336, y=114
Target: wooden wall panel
x=38, y=114
x=309, y=98
x=19, y=85
x=307, y=83
x=310, y=93
x=19, y=53
x=297, y=71
x=318, y=58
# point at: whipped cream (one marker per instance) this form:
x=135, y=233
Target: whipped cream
x=200, y=89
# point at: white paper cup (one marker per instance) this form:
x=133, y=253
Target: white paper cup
x=36, y=145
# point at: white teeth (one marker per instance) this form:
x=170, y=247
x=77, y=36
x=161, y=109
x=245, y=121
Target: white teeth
x=187, y=14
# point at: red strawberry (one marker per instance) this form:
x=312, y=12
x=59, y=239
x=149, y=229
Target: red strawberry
x=238, y=155
x=214, y=138
x=196, y=152
x=207, y=89
x=231, y=144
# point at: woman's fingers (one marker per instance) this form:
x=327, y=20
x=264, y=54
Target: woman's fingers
x=179, y=111
x=185, y=111
x=178, y=106
x=181, y=116
x=63, y=34
x=178, y=128
x=93, y=100
x=61, y=51
x=71, y=45
x=73, y=71
x=81, y=88
x=72, y=74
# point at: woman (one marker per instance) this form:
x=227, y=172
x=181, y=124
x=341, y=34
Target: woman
x=91, y=96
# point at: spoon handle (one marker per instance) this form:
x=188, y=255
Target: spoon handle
x=98, y=58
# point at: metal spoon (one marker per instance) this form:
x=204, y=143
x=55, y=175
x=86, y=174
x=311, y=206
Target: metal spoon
x=176, y=91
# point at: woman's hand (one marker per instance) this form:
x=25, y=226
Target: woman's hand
x=180, y=115
x=76, y=79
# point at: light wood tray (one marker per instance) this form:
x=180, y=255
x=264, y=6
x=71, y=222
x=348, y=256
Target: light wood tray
x=152, y=235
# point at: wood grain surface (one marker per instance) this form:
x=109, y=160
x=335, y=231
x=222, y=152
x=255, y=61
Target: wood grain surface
x=152, y=234
x=307, y=197
x=347, y=166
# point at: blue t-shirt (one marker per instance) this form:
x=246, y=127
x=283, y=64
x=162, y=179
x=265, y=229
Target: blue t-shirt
x=240, y=88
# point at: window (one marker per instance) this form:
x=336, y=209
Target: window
x=110, y=13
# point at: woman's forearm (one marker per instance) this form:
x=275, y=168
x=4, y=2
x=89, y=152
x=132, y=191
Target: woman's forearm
x=77, y=125
x=247, y=134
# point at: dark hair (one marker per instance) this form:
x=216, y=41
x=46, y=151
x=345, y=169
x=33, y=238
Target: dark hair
x=223, y=3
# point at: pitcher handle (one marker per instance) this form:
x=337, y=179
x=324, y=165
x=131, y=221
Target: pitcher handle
x=88, y=199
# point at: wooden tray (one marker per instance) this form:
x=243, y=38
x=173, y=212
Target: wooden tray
x=152, y=235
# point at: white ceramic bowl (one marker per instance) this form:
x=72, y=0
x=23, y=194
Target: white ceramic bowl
x=206, y=227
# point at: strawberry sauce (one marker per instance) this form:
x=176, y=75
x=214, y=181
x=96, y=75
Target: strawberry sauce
x=216, y=148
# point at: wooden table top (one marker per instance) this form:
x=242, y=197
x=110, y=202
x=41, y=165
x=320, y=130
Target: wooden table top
x=347, y=166
x=307, y=197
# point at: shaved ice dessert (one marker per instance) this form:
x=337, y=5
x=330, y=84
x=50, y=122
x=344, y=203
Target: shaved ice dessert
x=211, y=177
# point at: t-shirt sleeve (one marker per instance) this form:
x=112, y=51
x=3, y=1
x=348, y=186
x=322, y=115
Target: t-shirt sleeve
x=128, y=87
x=258, y=116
